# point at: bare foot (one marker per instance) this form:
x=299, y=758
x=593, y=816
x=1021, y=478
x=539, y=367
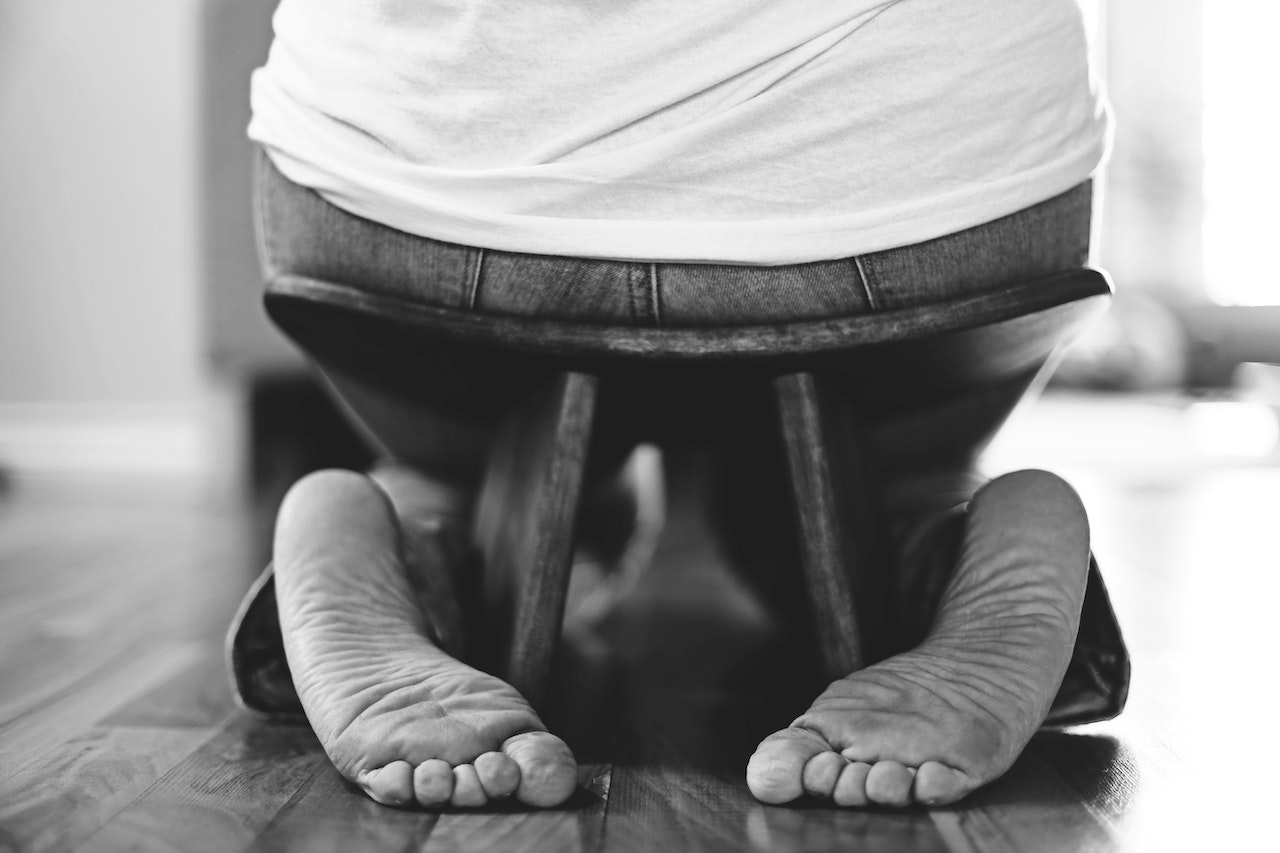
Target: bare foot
x=396, y=714
x=931, y=725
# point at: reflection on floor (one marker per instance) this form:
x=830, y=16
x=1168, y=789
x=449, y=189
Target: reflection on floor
x=117, y=731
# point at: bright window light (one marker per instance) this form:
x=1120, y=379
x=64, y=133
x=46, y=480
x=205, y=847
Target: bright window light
x=1233, y=429
x=1242, y=152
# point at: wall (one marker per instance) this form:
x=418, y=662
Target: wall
x=123, y=207
x=1154, y=204
x=235, y=35
x=98, y=202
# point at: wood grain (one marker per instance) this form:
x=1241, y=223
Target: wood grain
x=140, y=755
x=328, y=814
x=525, y=525
x=198, y=697
x=297, y=301
x=1030, y=808
x=71, y=790
x=831, y=519
x=576, y=827
x=25, y=739
x=222, y=796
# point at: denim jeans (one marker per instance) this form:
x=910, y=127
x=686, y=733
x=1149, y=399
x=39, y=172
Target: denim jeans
x=303, y=234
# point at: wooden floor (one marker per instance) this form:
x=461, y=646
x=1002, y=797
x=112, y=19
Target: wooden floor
x=117, y=731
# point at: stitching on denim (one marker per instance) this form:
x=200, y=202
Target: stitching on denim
x=655, y=299
x=473, y=289
x=866, y=283
x=637, y=299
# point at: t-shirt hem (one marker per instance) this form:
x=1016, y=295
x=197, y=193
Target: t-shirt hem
x=762, y=242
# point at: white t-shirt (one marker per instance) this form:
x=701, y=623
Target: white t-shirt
x=737, y=131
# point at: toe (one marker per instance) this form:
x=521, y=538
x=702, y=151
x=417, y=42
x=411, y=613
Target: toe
x=937, y=784
x=775, y=773
x=821, y=773
x=391, y=785
x=851, y=787
x=889, y=783
x=468, y=793
x=548, y=772
x=433, y=782
x=498, y=774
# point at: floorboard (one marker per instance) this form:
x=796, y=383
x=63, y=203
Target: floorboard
x=72, y=790
x=118, y=731
x=197, y=696
x=327, y=814
x=25, y=739
x=222, y=796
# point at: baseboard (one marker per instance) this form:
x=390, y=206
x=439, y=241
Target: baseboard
x=198, y=443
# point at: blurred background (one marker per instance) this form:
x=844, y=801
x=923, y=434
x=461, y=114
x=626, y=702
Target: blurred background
x=131, y=340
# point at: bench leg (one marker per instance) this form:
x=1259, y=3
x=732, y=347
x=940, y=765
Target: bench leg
x=525, y=524
x=835, y=518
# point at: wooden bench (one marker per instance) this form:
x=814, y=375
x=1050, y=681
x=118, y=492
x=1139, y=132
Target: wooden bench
x=829, y=381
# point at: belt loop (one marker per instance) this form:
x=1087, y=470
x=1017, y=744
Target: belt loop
x=655, y=295
x=473, y=290
x=866, y=283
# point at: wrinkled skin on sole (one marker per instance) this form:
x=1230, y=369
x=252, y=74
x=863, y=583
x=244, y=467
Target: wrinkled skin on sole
x=396, y=714
x=933, y=724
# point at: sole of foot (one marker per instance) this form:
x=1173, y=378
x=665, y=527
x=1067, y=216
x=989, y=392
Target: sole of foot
x=933, y=724
x=396, y=715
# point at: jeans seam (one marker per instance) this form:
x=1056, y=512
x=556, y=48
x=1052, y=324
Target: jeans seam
x=473, y=286
x=637, y=299
x=655, y=299
x=865, y=281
